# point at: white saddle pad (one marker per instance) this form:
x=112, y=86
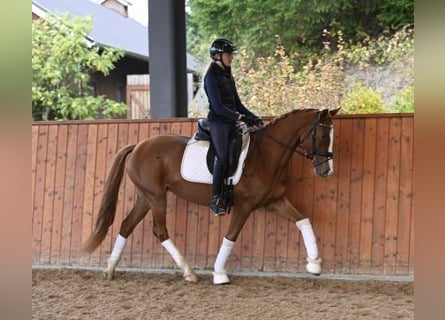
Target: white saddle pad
x=194, y=162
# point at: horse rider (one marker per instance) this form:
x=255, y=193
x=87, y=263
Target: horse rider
x=225, y=110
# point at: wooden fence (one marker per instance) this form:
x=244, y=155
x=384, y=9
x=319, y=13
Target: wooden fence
x=362, y=215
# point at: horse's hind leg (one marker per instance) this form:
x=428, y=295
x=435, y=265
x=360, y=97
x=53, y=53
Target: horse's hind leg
x=285, y=208
x=130, y=222
x=160, y=231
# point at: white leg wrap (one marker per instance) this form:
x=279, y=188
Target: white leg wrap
x=308, y=238
x=223, y=254
x=189, y=274
x=310, y=242
x=115, y=256
x=119, y=246
x=220, y=275
x=173, y=251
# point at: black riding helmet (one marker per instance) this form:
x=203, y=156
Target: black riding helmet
x=222, y=45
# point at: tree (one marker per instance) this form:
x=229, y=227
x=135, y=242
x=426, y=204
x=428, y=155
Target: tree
x=62, y=62
x=298, y=23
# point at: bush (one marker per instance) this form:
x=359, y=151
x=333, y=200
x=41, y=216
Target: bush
x=404, y=101
x=388, y=48
x=272, y=85
x=362, y=99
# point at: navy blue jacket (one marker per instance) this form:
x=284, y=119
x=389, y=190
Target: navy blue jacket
x=224, y=101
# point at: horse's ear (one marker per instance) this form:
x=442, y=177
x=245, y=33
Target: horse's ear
x=323, y=114
x=333, y=112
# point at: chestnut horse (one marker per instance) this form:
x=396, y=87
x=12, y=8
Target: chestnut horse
x=153, y=165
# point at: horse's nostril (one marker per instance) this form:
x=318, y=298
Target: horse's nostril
x=322, y=173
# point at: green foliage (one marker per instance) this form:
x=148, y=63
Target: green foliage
x=404, y=101
x=323, y=47
x=361, y=99
x=62, y=61
x=250, y=24
x=273, y=85
x=396, y=13
x=298, y=23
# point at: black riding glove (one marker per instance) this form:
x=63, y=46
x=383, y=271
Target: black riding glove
x=249, y=120
x=259, y=122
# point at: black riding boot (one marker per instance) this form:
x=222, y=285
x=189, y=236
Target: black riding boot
x=216, y=205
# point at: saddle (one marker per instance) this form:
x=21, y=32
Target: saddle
x=200, y=149
x=235, y=146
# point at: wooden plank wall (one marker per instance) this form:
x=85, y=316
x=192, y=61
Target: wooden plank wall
x=362, y=215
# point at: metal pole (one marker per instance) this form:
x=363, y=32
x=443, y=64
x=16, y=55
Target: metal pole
x=167, y=58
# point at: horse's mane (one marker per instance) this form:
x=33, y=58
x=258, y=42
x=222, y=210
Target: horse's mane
x=283, y=116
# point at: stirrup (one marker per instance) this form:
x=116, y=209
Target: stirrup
x=217, y=211
x=215, y=208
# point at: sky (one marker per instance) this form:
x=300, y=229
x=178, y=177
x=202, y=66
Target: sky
x=139, y=11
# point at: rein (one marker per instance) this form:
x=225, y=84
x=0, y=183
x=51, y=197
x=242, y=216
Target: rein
x=256, y=147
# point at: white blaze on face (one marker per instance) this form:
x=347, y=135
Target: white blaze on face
x=331, y=144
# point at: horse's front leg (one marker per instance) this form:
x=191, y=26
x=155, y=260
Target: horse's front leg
x=237, y=221
x=160, y=231
x=285, y=208
x=189, y=275
x=310, y=242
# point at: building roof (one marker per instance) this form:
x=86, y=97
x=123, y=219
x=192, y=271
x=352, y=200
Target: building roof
x=110, y=29
x=124, y=2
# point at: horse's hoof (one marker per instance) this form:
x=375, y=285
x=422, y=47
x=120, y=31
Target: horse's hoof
x=313, y=266
x=220, y=277
x=191, y=278
x=112, y=263
x=108, y=275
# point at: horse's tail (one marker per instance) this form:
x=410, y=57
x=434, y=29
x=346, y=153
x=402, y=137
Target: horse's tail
x=107, y=209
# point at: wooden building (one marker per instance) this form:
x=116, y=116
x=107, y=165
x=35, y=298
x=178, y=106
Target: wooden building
x=111, y=28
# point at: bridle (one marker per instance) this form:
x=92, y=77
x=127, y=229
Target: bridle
x=314, y=151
